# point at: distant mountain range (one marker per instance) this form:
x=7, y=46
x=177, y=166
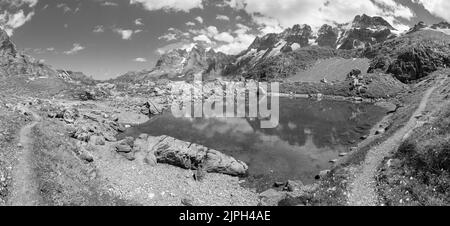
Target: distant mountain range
x=277, y=55
x=272, y=56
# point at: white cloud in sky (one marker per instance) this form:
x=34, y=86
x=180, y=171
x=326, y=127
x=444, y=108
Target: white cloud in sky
x=174, y=5
x=107, y=3
x=139, y=22
x=12, y=21
x=140, y=60
x=440, y=8
x=12, y=15
x=222, y=17
x=126, y=34
x=199, y=19
x=202, y=38
x=319, y=12
x=99, y=29
x=75, y=49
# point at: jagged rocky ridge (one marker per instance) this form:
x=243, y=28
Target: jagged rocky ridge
x=276, y=51
x=277, y=56
x=16, y=63
x=181, y=64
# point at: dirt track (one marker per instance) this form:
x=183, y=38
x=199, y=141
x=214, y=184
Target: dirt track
x=25, y=192
x=362, y=188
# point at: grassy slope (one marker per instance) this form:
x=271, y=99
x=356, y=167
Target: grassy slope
x=63, y=178
x=419, y=172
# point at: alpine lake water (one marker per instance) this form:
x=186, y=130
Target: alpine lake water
x=310, y=134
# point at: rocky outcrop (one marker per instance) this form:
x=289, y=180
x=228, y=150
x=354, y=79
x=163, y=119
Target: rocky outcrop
x=6, y=45
x=327, y=36
x=443, y=27
x=14, y=63
x=366, y=31
x=192, y=156
x=168, y=150
x=76, y=77
x=412, y=56
x=181, y=64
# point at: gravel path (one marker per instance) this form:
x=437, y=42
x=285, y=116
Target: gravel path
x=363, y=186
x=24, y=190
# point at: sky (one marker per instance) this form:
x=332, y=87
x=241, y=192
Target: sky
x=107, y=38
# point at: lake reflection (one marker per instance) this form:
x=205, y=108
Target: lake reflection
x=309, y=135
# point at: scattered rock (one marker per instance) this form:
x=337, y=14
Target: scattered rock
x=123, y=148
x=292, y=185
x=279, y=184
x=380, y=131
x=97, y=140
x=271, y=197
x=188, y=200
x=322, y=174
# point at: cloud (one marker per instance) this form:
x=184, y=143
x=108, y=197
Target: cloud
x=438, y=8
x=222, y=17
x=126, y=34
x=107, y=3
x=179, y=45
x=202, y=38
x=241, y=42
x=76, y=48
x=19, y=3
x=190, y=23
x=318, y=12
x=168, y=37
x=64, y=7
x=12, y=21
x=99, y=29
x=224, y=37
x=12, y=14
x=168, y=5
x=139, y=22
x=140, y=60
x=199, y=19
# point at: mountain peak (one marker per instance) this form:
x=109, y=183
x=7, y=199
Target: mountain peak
x=365, y=21
x=6, y=45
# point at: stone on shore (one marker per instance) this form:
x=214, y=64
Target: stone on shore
x=168, y=150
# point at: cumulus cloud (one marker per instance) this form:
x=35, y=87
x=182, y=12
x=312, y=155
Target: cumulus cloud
x=224, y=37
x=75, y=49
x=138, y=22
x=126, y=34
x=319, y=12
x=190, y=23
x=64, y=7
x=174, y=5
x=241, y=42
x=438, y=8
x=12, y=21
x=202, y=38
x=12, y=14
x=179, y=45
x=199, y=19
x=99, y=29
x=140, y=60
x=107, y=3
x=222, y=17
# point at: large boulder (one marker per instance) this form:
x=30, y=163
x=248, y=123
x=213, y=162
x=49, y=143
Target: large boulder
x=165, y=149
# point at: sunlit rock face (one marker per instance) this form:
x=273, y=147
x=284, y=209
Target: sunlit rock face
x=15, y=63
x=365, y=31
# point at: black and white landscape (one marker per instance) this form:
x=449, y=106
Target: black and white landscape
x=224, y=103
